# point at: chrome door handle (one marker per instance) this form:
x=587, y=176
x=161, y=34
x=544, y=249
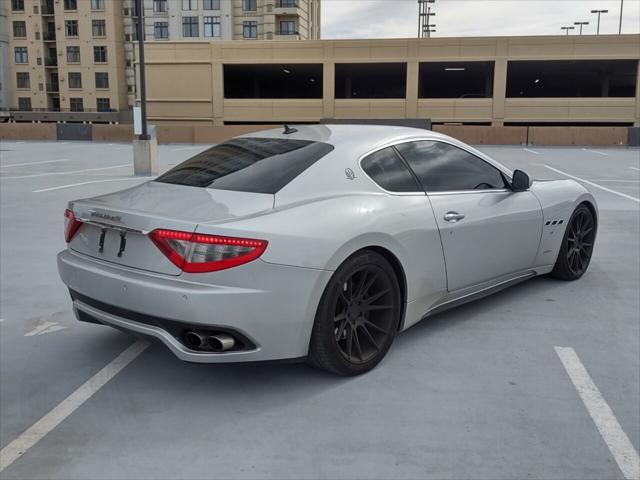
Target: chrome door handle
x=453, y=217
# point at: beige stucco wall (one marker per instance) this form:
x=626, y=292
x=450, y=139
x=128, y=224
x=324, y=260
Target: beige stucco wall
x=185, y=80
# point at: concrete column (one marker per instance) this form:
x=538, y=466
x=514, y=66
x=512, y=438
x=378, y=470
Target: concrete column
x=217, y=87
x=145, y=154
x=636, y=123
x=328, y=90
x=499, y=85
x=413, y=71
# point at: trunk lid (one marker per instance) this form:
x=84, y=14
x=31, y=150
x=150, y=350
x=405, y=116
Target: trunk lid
x=124, y=219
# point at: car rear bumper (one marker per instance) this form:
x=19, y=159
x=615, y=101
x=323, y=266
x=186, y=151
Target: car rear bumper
x=271, y=306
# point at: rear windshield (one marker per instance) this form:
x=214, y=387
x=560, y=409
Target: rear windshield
x=257, y=165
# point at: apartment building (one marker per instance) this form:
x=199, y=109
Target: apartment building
x=5, y=74
x=68, y=56
x=207, y=20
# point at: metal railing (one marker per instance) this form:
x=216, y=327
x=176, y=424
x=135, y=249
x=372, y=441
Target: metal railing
x=287, y=32
x=286, y=4
x=53, y=87
x=49, y=35
x=51, y=62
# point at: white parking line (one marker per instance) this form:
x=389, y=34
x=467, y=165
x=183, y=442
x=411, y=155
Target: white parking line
x=35, y=163
x=634, y=168
x=595, y=151
x=68, y=172
x=46, y=327
x=619, y=444
x=531, y=151
x=51, y=420
x=60, y=187
x=637, y=200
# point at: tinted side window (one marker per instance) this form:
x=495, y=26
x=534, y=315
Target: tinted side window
x=389, y=171
x=442, y=167
x=257, y=165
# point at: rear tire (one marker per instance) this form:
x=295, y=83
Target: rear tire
x=577, y=246
x=358, y=316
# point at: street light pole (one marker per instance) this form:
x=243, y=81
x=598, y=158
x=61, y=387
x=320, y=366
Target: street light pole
x=599, y=12
x=582, y=24
x=567, y=29
x=621, y=9
x=429, y=15
x=141, y=66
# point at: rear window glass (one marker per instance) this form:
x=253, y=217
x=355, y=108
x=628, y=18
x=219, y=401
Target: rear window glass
x=257, y=165
x=387, y=169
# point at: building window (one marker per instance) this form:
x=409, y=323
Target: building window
x=249, y=5
x=103, y=104
x=24, y=104
x=73, y=54
x=250, y=29
x=97, y=5
x=161, y=30
x=102, y=80
x=100, y=54
x=75, y=80
x=190, y=27
x=71, y=4
x=287, y=4
x=189, y=4
x=76, y=104
x=287, y=27
x=22, y=80
x=211, y=5
x=17, y=5
x=211, y=26
x=99, y=28
x=160, y=6
x=71, y=28
x=19, y=29
x=22, y=55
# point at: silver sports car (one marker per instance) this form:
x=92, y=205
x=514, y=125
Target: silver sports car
x=316, y=242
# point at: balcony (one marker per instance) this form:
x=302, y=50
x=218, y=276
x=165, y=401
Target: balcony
x=49, y=36
x=283, y=7
x=53, y=88
x=51, y=62
x=47, y=9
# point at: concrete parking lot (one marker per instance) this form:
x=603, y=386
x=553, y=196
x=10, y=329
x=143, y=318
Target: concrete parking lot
x=479, y=392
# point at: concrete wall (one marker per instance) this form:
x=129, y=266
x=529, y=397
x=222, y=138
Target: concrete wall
x=186, y=81
x=29, y=131
x=209, y=134
x=594, y=136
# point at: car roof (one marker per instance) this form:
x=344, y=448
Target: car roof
x=352, y=137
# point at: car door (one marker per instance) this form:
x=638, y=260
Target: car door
x=487, y=230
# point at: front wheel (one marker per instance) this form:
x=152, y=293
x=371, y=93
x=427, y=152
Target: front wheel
x=358, y=316
x=577, y=246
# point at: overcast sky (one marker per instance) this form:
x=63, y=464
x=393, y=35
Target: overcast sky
x=399, y=18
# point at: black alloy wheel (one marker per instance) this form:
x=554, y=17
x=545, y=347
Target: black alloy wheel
x=577, y=246
x=358, y=316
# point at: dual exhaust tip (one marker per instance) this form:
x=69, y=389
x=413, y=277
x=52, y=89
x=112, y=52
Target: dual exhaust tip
x=219, y=342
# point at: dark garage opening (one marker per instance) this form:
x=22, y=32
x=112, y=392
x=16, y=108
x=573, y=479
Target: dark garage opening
x=456, y=80
x=371, y=80
x=273, y=81
x=568, y=78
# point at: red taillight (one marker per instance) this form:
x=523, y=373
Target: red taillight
x=71, y=225
x=197, y=253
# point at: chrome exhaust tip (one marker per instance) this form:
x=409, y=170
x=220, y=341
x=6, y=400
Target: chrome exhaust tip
x=221, y=342
x=195, y=339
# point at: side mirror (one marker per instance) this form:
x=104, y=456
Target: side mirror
x=520, y=182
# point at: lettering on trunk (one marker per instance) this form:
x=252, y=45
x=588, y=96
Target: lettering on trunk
x=106, y=216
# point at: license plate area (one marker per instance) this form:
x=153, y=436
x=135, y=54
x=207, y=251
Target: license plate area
x=123, y=247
